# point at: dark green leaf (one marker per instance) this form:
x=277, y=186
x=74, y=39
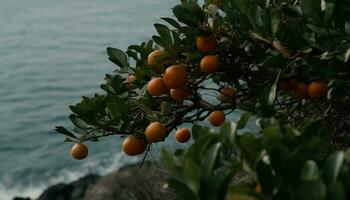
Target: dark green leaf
x=182, y=189
x=310, y=171
x=118, y=57
x=164, y=33
x=243, y=120
x=265, y=177
x=192, y=174
x=64, y=131
x=172, y=22
x=336, y=191
x=210, y=159
x=228, y=131
x=198, y=131
x=333, y=166
x=219, y=183
x=78, y=122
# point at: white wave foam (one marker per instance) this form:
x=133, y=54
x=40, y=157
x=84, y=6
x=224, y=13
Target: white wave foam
x=102, y=166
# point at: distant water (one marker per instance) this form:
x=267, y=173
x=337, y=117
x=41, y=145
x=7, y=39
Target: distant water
x=51, y=53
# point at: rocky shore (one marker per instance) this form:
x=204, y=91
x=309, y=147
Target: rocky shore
x=129, y=182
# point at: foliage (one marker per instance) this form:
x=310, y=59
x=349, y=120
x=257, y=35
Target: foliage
x=270, y=52
x=287, y=163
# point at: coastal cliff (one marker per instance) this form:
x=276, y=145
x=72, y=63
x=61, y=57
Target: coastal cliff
x=130, y=182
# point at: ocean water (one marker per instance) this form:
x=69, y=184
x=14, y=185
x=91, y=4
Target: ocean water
x=51, y=53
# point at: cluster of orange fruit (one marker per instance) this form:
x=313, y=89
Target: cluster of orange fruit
x=174, y=78
x=302, y=90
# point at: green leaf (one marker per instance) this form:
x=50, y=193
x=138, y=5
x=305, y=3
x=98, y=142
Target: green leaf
x=272, y=93
x=182, y=189
x=67, y=139
x=164, y=33
x=78, y=122
x=192, y=174
x=265, y=177
x=172, y=22
x=240, y=192
x=310, y=171
x=315, y=190
x=64, y=131
x=243, y=120
x=228, y=131
x=165, y=108
x=333, y=166
x=114, y=110
x=143, y=107
x=275, y=20
x=170, y=161
x=275, y=61
x=160, y=41
x=118, y=57
x=219, y=183
x=193, y=55
x=189, y=13
x=336, y=191
x=210, y=159
x=198, y=131
x=312, y=9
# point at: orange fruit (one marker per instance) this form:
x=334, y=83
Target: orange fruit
x=156, y=87
x=179, y=94
x=258, y=188
x=216, y=118
x=227, y=94
x=153, y=57
x=79, y=151
x=206, y=44
x=293, y=84
x=210, y=64
x=284, y=86
x=287, y=85
x=175, y=77
x=216, y=2
x=134, y=146
x=155, y=132
x=129, y=81
x=301, y=91
x=182, y=135
x=317, y=89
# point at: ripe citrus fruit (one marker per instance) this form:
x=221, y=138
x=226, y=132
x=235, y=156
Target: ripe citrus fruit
x=179, y=94
x=155, y=132
x=156, y=87
x=79, y=151
x=129, y=81
x=134, y=146
x=284, y=86
x=301, y=91
x=210, y=64
x=258, y=188
x=216, y=118
x=227, y=95
x=287, y=85
x=216, y=2
x=317, y=89
x=182, y=135
x=206, y=44
x=175, y=77
x=153, y=57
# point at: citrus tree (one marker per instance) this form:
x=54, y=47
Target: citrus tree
x=284, y=64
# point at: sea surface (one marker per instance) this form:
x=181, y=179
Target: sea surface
x=51, y=53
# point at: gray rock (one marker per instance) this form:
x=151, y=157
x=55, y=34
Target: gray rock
x=133, y=183
x=73, y=191
x=128, y=183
